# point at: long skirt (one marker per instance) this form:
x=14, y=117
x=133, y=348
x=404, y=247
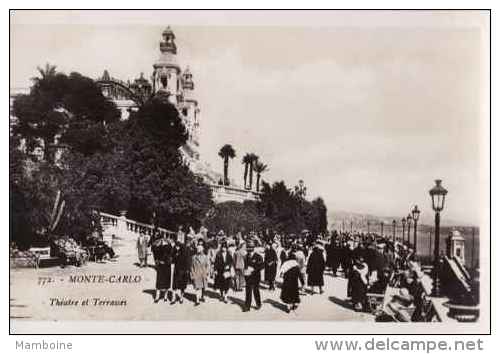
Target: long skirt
x=290, y=287
x=181, y=279
x=221, y=283
x=163, y=276
x=358, y=290
x=315, y=279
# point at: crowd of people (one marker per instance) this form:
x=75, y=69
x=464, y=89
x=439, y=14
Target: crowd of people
x=369, y=262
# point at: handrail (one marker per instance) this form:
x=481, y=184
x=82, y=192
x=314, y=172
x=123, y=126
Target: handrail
x=130, y=223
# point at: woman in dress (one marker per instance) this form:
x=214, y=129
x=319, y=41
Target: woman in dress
x=181, y=272
x=200, y=267
x=223, y=271
x=162, y=251
x=290, y=272
x=359, y=283
x=315, y=269
x=270, y=265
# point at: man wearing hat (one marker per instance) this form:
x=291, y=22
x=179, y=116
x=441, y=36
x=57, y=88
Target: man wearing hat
x=253, y=266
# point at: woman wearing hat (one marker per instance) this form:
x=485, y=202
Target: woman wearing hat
x=359, y=283
x=315, y=269
x=290, y=271
x=181, y=272
x=162, y=251
x=223, y=271
x=200, y=267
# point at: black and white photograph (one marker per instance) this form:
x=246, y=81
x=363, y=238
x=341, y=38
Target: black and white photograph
x=249, y=171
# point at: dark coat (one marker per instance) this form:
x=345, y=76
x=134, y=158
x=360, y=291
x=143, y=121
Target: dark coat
x=359, y=285
x=163, y=259
x=220, y=266
x=290, y=287
x=181, y=268
x=315, y=268
x=257, y=263
x=271, y=264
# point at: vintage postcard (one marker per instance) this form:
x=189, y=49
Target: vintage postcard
x=249, y=171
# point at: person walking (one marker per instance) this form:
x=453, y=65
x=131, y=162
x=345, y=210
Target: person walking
x=142, y=249
x=315, y=269
x=300, y=257
x=290, y=272
x=239, y=267
x=359, y=283
x=162, y=252
x=181, y=272
x=200, y=267
x=223, y=271
x=271, y=265
x=253, y=267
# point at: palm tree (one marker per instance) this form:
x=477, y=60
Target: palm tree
x=246, y=161
x=259, y=169
x=253, y=159
x=226, y=152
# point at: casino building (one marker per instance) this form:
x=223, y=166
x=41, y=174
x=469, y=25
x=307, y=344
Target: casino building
x=168, y=77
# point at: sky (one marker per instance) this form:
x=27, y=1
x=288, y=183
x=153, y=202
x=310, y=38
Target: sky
x=367, y=108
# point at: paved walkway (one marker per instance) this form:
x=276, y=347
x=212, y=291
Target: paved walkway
x=31, y=300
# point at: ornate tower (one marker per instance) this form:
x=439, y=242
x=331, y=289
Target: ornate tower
x=190, y=110
x=166, y=69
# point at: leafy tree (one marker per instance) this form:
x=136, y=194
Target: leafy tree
x=290, y=213
x=107, y=163
x=159, y=181
x=61, y=109
x=259, y=169
x=234, y=216
x=226, y=152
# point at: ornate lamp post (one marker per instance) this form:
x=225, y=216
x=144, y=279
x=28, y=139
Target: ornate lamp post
x=403, y=221
x=438, y=194
x=415, y=213
x=382, y=228
x=394, y=231
x=351, y=227
x=408, y=223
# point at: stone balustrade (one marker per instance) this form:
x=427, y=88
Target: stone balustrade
x=223, y=193
x=120, y=225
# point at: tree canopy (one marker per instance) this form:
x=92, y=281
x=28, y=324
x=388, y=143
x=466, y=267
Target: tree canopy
x=113, y=165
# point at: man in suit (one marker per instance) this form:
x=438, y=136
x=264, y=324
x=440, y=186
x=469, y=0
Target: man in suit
x=253, y=266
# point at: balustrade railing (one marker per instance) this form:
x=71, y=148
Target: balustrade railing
x=121, y=223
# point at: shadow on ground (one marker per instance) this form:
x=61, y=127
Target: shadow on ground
x=341, y=302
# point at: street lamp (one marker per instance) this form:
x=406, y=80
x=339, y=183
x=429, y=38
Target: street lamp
x=438, y=194
x=394, y=232
x=368, y=227
x=403, y=221
x=408, y=223
x=415, y=213
x=382, y=228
